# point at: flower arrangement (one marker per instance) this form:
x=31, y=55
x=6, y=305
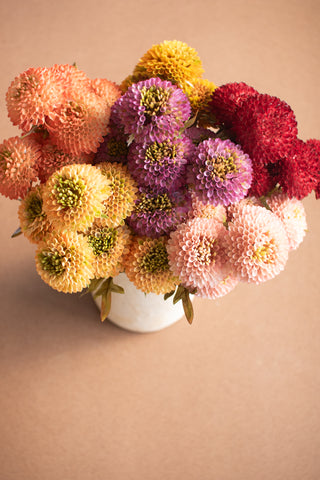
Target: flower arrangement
x=186, y=187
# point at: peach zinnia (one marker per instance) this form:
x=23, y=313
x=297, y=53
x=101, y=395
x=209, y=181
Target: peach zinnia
x=257, y=244
x=33, y=220
x=65, y=262
x=74, y=196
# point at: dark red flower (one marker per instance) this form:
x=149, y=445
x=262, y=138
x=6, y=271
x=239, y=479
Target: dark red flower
x=227, y=98
x=264, y=178
x=300, y=170
x=265, y=127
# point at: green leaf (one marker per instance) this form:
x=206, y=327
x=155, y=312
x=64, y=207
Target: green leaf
x=116, y=288
x=187, y=307
x=105, y=305
x=94, y=284
x=190, y=122
x=179, y=294
x=104, y=287
x=168, y=295
x=16, y=233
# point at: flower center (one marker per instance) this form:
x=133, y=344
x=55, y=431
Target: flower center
x=156, y=152
x=205, y=250
x=264, y=253
x=69, y=191
x=52, y=262
x=154, y=99
x=4, y=156
x=34, y=207
x=220, y=166
x=103, y=241
x=160, y=202
x=74, y=109
x=156, y=260
x=116, y=148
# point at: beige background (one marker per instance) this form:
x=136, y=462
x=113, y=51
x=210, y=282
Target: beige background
x=237, y=395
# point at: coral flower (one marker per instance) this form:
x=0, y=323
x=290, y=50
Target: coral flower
x=52, y=159
x=170, y=60
x=257, y=244
x=123, y=193
x=221, y=172
x=74, y=196
x=18, y=161
x=65, y=262
x=265, y=127
x=33, y=96
x=153, y=110
x=196, y=256
x=109, y=91
x=108, y=245
x=80, y=123
x=293, y=216
x=33, y=220
x=160, y=164
x=147, y=266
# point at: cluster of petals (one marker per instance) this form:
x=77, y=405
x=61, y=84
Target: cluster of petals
x=293, y=216
x=160, y=165
x=153, y=110
x=257, y=244
x=34, y=223
x=197, y=257
x=220, y=172
x=18, y=166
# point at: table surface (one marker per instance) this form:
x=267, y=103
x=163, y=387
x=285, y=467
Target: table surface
x=234, y=396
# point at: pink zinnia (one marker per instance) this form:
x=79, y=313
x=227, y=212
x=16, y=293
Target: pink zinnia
x=293, y=216
x=196, y=256
x=256, y=245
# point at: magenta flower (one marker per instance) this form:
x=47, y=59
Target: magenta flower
x=153, y=110
x=221, y=173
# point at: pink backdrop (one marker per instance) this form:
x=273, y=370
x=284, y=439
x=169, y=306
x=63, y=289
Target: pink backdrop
x=235, y=396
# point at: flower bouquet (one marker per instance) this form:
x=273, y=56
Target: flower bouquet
x=185, y=187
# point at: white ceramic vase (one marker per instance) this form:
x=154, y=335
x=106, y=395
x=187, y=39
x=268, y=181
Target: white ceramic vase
x=141, y=312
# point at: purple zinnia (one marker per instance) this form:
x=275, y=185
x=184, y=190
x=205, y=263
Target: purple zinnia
x=153, y=110
x=221, y=172
x=157, y=214
x=113, y=149
x=160, y=164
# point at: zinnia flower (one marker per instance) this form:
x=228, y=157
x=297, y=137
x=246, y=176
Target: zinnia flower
x=74, y=196
x=170, y=60
x=293, y=216
x=108, y=245
x=157, y=214
x=107, y=90
x=160, y=164
x=196, y=256
x=123, y=193
x=33, y=96
x=18, y=162
x=257, y=244
x=201, y=210
x=147, y=266
x=113, y=149
x=227, y=98
x=200, y=96
x=221, y=172
x=80, y=123
x=65, y=262
x=33, y=220
x=153, y=110
x=265, y=127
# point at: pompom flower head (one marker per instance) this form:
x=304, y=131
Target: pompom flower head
x=147, y=266
x=160, y=164
x=153, y=110
x=65, y=262
x=123, y=193
x=257, y=244
x=74, y=196
x=170, y=60
x=221, y=172
x=293, y=216
x=157, y=214
x=33, y=220
x=196, y=256
x=107, y=90
x=18, y=166
x=108, y=245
